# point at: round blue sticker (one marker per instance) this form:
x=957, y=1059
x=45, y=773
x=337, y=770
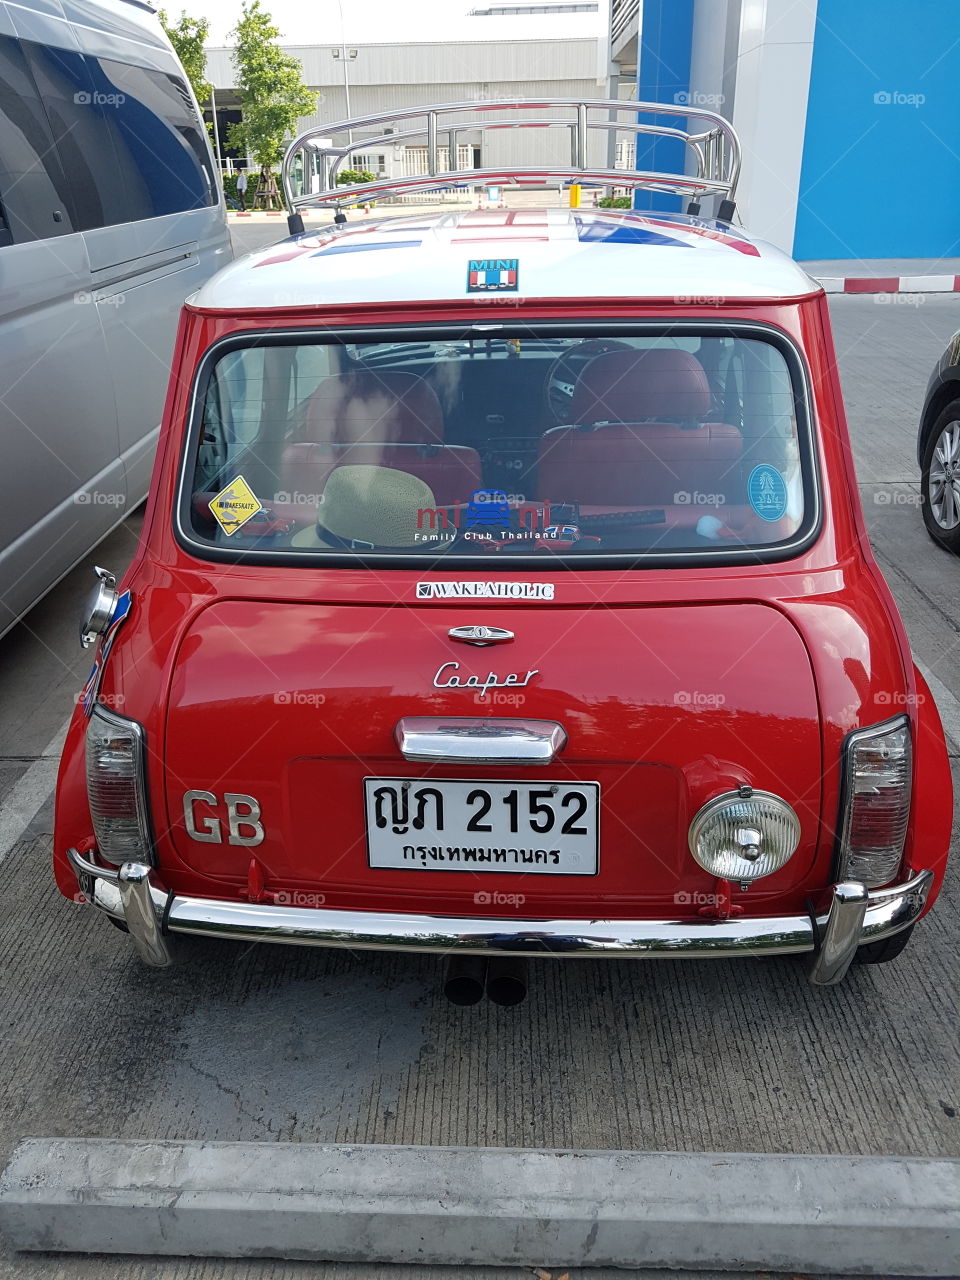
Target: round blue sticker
x=767, y=492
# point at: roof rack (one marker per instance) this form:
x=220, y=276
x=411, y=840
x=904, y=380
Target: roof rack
x=713, y=153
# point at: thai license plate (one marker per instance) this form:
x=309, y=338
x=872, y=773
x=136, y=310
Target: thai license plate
x=538, y=828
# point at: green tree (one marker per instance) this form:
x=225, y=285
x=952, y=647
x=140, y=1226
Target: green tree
x=270, y=83
x=188, y=37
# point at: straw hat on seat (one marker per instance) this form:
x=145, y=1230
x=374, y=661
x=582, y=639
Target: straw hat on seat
x=371, y=509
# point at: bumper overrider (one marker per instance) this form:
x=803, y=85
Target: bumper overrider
x=856, y=915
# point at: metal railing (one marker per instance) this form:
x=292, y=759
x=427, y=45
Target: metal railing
x=712, y=151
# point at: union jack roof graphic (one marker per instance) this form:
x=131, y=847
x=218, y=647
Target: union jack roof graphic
x=550, y=253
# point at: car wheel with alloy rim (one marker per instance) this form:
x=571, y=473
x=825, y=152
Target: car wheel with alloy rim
x=940, y=479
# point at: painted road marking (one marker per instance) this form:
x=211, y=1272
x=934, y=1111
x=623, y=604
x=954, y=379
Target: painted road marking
x=30, y=792
x=947, y=704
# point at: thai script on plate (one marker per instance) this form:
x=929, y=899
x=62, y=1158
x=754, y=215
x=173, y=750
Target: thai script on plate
x=454, y=853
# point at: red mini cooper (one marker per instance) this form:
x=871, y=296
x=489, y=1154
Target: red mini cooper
x=504, y=591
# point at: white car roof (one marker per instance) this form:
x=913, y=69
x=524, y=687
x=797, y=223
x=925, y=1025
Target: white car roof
x=558, y=253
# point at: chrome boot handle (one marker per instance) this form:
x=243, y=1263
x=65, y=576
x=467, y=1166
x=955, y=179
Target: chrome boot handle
x=466, y=740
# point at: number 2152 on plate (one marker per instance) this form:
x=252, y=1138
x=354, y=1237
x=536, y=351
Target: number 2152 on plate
x=441, y=824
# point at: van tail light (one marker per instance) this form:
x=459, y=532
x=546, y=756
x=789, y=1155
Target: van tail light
x=116, y=788
x=875, y=810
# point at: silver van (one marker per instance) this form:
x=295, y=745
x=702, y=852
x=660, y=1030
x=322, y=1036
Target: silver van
x=110, y=215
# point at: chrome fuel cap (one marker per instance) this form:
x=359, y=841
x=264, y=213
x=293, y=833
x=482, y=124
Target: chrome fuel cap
x=99, y=608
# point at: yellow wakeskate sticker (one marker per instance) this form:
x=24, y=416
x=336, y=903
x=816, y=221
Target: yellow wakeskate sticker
x=235, y=505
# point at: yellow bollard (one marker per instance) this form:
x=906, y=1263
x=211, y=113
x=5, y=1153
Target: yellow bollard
x=575, y=195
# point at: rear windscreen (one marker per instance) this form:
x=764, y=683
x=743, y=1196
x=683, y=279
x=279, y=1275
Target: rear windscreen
x=499, y=447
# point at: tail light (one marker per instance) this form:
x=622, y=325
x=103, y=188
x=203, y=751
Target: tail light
x=116, y=789
x=875, y=810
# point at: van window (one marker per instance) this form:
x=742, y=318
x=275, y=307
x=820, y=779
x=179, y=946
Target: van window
x=504, y=446
x=82, y=143
x=128, y=138
x=162, y=153
x=32, y=183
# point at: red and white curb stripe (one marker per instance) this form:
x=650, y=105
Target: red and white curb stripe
x=890, y=284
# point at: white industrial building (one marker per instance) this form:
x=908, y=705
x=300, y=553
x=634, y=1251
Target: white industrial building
x=368, y=79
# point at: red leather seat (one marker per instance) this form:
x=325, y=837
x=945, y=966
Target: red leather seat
x=451, y=471
x=356, y=408
x=642, y=437
x=662, y=384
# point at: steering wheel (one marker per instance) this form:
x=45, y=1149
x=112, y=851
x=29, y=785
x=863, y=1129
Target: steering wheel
x=564, y=372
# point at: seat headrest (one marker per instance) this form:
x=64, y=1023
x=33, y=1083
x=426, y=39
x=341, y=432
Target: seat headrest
x=387, y=408
x=663, y=384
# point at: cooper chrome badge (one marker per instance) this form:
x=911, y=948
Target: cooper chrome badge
x=448, y=677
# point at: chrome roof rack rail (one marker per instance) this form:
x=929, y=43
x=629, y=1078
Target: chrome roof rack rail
x=712, y=153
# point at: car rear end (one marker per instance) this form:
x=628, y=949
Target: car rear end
x=463, y=634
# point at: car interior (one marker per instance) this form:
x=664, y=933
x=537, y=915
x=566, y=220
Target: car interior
x=519, y=444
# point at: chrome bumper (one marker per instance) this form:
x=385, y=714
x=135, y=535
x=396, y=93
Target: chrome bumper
x=856, y=916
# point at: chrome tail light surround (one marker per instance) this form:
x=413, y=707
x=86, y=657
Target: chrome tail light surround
x=875, y=802
x=116, y=787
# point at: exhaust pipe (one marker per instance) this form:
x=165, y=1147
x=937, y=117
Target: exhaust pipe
x=464, y=980
x=507, y=980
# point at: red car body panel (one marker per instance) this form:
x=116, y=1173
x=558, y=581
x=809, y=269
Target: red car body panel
x=673, y=684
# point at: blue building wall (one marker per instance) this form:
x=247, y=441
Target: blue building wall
x=881, y=159
x=663, y=75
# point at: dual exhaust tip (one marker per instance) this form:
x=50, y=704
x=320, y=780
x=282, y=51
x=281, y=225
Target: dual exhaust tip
x=469, y=978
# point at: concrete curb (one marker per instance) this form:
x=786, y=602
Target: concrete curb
x=453, y=1205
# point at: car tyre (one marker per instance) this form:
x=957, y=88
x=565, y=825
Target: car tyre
x=940, y=479
x=885, y=950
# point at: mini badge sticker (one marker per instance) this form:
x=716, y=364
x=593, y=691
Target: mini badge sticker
x=767, y=492
x=235, y=505
x=493, y=275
